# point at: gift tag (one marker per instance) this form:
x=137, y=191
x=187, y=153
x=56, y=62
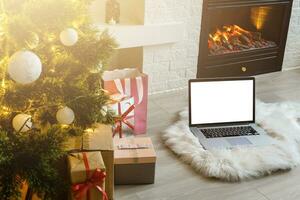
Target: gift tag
x=133, y=146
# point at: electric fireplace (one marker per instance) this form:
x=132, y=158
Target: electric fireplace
x=242, y=37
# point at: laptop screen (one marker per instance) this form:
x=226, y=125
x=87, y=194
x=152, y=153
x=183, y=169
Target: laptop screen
x=221, y=101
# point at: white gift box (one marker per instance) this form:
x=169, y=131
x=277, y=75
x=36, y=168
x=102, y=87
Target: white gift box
x=122, y=105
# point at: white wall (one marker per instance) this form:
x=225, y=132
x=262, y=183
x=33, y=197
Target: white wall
x=292, y=53
x=170, y=66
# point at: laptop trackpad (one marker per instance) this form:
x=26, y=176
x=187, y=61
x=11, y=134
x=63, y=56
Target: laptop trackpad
x=238, y=141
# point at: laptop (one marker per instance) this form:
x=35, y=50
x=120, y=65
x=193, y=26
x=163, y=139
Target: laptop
x=222, y=113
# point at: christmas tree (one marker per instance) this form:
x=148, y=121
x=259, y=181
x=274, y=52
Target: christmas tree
x=51, y=59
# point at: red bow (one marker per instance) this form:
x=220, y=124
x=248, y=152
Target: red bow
x=96, y=181
x=123, y=119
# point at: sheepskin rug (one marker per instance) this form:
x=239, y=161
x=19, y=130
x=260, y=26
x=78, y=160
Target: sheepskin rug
x=281, y=122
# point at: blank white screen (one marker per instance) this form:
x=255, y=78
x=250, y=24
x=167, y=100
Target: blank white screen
x=221, y=101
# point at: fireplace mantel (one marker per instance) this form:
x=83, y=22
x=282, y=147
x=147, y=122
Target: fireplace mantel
x=130, y=36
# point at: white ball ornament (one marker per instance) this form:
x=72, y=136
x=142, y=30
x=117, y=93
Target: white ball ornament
x=22, y=123
x=68, y=37
x=65, y=116
x=24, y=67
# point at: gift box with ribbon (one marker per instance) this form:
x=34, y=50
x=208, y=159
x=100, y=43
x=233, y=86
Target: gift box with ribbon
x=100, y=139
x=135, y=160
x=87, y=173
x=123, y=107
x=131, y=83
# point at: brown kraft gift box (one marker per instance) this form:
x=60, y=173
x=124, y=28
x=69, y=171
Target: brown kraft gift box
x=98, y=139
x=83, y=168
x=135, y=161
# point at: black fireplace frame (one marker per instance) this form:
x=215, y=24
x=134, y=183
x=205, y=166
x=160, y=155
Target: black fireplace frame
x=245, y=63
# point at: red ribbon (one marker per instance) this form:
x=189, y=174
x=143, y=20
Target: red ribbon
x=96, y=181
x=123, y=119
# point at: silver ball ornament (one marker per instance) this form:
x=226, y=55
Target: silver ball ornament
x=65, y=116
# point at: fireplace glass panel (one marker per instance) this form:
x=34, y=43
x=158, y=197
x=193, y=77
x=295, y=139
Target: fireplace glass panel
x=248, y=28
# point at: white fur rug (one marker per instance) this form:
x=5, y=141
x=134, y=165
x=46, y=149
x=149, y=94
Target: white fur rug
x=281, y=122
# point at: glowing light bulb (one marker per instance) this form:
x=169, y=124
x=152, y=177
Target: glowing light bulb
x=5, y=110
x=76, y=24
x=65, y=126
x=89, y=130
x=3, y=85
x=53, y=49
x=51, y=38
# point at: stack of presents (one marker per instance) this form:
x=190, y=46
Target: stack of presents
x=104, y=156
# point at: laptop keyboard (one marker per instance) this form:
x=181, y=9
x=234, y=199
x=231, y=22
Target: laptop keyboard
x=228, y=131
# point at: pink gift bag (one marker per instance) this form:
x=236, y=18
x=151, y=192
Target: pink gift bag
x=130, y=82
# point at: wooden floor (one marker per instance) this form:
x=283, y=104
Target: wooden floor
x=176, y=180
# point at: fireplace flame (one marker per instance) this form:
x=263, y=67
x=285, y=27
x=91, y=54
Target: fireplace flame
x=227, y=33
x=259, y=16
x=233, y=38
